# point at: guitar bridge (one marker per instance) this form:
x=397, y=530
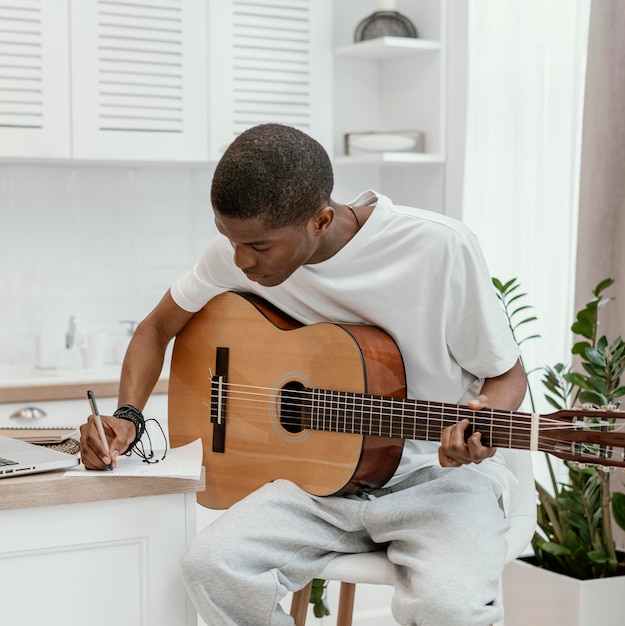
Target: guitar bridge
x=218, y=400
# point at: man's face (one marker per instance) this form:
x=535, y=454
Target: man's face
x=266, y=255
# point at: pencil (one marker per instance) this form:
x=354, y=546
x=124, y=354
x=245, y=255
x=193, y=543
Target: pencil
x=98, y=422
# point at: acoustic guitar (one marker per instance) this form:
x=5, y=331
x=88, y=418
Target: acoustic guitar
x=324, y=406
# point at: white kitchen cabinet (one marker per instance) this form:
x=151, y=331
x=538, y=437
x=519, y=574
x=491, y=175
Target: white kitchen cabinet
x=34, y=79
x=168, y=80
x=139, y=80
x=174, y=80
x=73, y=543
x=94, y=549
x=103, y=80
x=269, y=61
x=394, y=84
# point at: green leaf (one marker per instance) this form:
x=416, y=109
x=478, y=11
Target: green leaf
x=580, y=348
x=594, y=372
x=588, y=315
x=576, y=379
x=528, y=338
x=503, y=287
x=617, y=348
x=554, y=403
x=497, y=283
x=583, y=328
x=318, y=597
x=618, y=393
x=597, y=556
x=555, y=548
x=591, y=308
x=533, y=318
x=505, y=296
x=593, y=398
x=321, y=608
x=597, y=357
x=604, y=284
x=517, y=297
x=618, y=508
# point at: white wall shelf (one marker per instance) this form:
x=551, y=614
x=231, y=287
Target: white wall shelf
x=387, y=48
x=391, y=84
x=387, y=158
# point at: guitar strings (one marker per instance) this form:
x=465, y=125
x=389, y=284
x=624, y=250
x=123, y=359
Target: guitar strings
x=260, y=398
x=576, y=451
x=273, y=393
x=358, y=402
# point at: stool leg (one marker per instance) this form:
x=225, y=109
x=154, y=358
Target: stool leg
x=299, y=604
x=346, y=604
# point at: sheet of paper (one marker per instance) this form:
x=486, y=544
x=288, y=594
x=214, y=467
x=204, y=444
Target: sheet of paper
x=182, y=462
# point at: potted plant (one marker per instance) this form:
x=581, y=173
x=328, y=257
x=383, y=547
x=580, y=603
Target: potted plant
x=574, y=575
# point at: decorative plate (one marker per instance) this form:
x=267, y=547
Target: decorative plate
x=385, y=24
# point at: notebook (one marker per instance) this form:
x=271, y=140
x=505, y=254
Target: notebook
x=20, y=457
x=40, y=434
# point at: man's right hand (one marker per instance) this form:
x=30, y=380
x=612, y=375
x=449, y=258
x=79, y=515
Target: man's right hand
x=120, y=433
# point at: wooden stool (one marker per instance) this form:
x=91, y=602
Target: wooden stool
x=372, y=568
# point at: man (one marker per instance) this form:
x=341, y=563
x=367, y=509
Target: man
x=421, y=277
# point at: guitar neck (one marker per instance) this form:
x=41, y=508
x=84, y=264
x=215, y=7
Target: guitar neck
x=363, y=414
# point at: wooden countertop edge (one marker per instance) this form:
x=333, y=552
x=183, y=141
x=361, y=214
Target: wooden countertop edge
x=69, y=391
x=54, y=488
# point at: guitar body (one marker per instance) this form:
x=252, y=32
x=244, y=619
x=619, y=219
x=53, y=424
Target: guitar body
x=266, y=353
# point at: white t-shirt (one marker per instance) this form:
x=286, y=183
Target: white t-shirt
x=418, y=275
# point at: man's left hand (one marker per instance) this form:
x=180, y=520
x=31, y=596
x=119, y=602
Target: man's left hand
x=454, y=450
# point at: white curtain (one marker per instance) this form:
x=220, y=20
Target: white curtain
x=525, y=95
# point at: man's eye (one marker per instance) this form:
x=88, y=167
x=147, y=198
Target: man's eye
x=257, y=249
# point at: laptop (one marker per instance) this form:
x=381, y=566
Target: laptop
x=20, y=457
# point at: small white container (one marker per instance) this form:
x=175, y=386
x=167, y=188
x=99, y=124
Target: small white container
x=92, y=349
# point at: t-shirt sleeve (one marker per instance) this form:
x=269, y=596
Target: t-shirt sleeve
x=479, y=337
x=213, y=274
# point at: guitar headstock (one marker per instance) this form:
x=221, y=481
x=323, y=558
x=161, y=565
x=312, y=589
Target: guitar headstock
x=585, y=436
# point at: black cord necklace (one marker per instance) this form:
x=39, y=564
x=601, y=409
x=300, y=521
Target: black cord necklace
x=351, y=208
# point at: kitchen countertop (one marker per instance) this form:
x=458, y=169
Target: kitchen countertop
x=52, y=488
x=27, y=384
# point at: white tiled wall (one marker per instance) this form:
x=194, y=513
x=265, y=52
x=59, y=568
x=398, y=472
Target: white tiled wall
x=102, y=243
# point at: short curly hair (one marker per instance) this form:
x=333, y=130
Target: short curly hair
x=274, y=172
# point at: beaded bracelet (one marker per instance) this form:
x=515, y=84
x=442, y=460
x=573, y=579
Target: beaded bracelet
x=132, y=414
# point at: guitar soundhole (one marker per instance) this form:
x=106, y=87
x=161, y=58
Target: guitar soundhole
x=291, y=418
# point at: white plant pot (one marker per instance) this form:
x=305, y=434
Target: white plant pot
x=537, y=597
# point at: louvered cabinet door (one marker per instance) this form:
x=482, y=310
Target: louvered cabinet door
x=34, y=79
x=269, y=61
x=139, y=80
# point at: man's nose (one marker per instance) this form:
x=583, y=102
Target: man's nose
x=244, y=257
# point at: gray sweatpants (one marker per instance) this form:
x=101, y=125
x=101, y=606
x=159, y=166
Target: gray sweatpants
x=443, y=528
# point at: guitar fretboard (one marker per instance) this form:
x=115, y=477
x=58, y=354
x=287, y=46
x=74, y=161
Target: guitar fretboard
x=363, y=414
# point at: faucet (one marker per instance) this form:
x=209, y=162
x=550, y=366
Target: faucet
x=71, y=332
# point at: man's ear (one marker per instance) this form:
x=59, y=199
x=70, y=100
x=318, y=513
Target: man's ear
x=322, y=219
